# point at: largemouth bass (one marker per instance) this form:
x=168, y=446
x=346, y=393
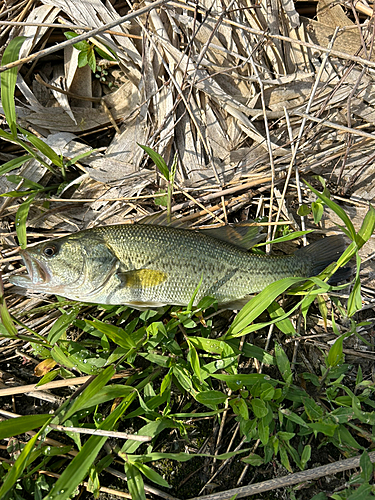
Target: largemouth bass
x=148, y=266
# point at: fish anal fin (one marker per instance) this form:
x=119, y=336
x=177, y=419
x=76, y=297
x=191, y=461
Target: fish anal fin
x=142, y=278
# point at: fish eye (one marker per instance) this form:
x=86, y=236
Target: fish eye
x=50, y=250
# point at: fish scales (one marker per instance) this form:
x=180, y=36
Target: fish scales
x=150, y=265
x=185, y=256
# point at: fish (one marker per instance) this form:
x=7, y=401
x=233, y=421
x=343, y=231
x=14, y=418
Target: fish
x=149, y=265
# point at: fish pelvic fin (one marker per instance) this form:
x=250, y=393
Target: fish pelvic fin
x=142, y=278
x=321, y=254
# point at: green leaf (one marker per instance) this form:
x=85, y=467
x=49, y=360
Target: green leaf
x=61, y=324
x=288, y=237
x=21, y=217
x=323, y=427
x=283, y=364
x=364, y=492
x=253, y=459
x=48, y=377
x=85, y=398
x=306, y=455
x=355, y=299
x=91, y=60
x=337, y=209
x=19, y=465
x=78, y=468
x=108, y=393
x=263, y=431
x=259, y=408
x=335, y=355
x=26, y=183
x=134, y=482
x=314, y=412
x=294, y=417
x=367, y=228
x=183, y=377
x=258, y=304
x=61, y=358
x=346, y=439
x=19, y=425
x=284, y=325
x=13, y=164
x=181, y=456
x=166, y=383
x=211, y=397
x=194, y=361
x=43, y=148
x=76, y=158
x=158, y=160
x=83, y=45
x=82, y=58
x=240, y=407
x=151, y=474
x=317, y=210
x=366, y=466
x=284, y=458
x=116, y=334
x=6, y=319
x=303, y=210
x=8, y=80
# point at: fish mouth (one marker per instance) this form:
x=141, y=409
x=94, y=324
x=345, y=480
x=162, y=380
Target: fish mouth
x=37, y=272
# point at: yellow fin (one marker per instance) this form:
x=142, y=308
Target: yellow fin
x=142, y=278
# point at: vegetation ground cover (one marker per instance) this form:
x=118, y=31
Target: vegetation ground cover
x=187, y=402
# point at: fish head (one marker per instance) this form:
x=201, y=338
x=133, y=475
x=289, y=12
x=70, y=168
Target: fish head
x=74, y=266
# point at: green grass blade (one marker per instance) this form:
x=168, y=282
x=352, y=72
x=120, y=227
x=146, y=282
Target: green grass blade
x=288, y=237
x=184, y=457
x=78, y=468
x=61, y=325
x=43, y=148
x=337, y=209
x=259, y=304
x=19, y=425
x=152, y=475
x=367, y=228
x=135, y=482
x=6, y=322
x=90, y=391
x=8, y=82
x=355, y=299
x=12, y=164
x=21, y=217
x=18, y=467
x=158, y=160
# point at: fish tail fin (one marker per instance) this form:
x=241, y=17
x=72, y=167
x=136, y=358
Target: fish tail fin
x=321, y=254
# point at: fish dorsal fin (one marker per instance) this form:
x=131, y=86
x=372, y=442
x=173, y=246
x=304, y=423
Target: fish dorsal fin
x=162, y=219
x=244, y=235
x=141, y=278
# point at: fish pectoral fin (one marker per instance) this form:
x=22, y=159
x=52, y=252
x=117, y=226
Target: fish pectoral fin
x=142, y=278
